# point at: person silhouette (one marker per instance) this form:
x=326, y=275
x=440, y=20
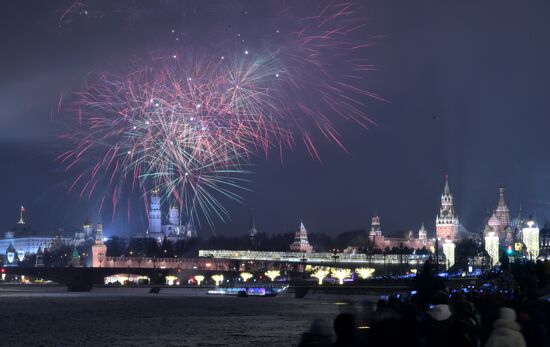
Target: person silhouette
x=344, y=327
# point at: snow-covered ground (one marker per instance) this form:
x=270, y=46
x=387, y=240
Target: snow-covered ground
x=132, y=317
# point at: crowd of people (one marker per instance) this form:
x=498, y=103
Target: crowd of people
x=459, y=319
x=437, y=317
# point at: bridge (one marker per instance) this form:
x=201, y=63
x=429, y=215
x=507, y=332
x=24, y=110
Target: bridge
x=84, y=278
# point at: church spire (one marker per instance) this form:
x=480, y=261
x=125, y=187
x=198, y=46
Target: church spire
x=447, y=190
x=252, y=231
x=502, y=212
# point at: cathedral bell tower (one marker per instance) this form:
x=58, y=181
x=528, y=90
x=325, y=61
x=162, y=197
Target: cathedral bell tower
x=155, y=214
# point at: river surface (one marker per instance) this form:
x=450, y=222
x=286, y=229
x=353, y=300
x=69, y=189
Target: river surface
x=51, y=316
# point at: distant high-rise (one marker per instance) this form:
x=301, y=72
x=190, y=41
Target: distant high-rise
x=446, y=221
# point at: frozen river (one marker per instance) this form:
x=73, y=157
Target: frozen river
x=132, y=317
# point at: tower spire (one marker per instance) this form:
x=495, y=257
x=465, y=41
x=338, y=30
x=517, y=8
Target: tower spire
x=502, y=211
x=21, y=211
x=252, y=232
x=447, y=190
x=301, y=243
x=446, y=221
x=99, y=232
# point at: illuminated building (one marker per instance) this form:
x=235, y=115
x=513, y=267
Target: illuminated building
x=530, y=235
x=446, y=221
x=11, y=256
x=502, y=212
x=423, y=234
x=517, y=224
x=301, y=243
x=375, y=229
x=23, y=239
x=495, y=224
x=378, y=240
x=491, y=246
x=449, y=252
x=501, y=222
x=99, y=250
x=174, y=229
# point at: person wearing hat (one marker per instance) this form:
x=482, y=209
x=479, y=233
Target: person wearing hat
x=506, y=332
x=439, y=322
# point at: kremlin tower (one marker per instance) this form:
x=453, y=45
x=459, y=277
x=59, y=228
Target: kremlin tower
x=301, y=244
x=446, y=222
x=99, y=250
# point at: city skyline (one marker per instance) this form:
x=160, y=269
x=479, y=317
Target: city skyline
x=169, y=214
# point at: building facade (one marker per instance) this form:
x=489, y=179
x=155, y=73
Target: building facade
x=378, y=240
x=23, y=239
x=174, y=229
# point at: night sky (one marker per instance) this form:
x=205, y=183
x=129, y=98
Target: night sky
x=466, y=84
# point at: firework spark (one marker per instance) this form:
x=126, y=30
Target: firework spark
x=187, y=123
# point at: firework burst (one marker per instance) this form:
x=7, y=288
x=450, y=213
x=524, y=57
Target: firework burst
x=187, y=124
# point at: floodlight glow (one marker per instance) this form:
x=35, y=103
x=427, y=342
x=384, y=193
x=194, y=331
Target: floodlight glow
x=364, y=272
x=246, y=276
x=199, y=279
x=320, y=274
x=273, y=274
x=340, y=274
x=218, y=279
